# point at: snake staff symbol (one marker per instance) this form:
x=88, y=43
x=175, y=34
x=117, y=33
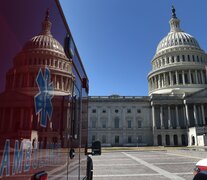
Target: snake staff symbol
x=42, y=99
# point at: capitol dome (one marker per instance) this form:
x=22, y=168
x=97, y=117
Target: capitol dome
x=177, y=38
x=41, y=52
x=178, y=65
x=44, y=40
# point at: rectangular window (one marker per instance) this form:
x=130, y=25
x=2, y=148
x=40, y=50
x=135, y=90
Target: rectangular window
x=139, y=139
x=93, y=124
x=186, y=78
x=174, y=79
x=167, y=60
x=128, y=110
x=129, y=139
x=116, y=123
x=172, y=59
x=139, y=124
x=116, y=139
x=180, y=78
x=104, y=124
x=188, y=57
x=93, y=110
x=93, y=138
x=183, y=56
x=178, y=58
x=163, y=62
x=129, y=124
x=193, y=77
x=199, y=77
x=138, y=110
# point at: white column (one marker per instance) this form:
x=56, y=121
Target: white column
x=153, y=83
x=159, y=81
x=185, y=119
x=177, y=117
x=62, y=83
x=156, y=82
x=164, y=81
x=153, y=117
x=187, y=115
x=195, y=114
x=55, y=83
x=170, y=59
x=170, y=74
x=176, y=74
x=161, y=116
x=202, y=78
x=196, y=75
x=203, y=114
x=183, y=76
x=149, y=84
x=151, y=80
x=189, y=74
x=169, y=118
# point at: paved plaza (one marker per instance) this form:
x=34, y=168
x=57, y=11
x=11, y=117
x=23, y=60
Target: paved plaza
x=143, y=165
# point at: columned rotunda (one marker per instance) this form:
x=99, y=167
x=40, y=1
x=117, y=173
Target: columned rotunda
x=177, y=87
x=179, y=63
x=19, y=120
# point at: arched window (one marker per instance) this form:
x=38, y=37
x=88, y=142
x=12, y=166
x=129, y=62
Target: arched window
x=167, y=140
x=175, y=138
x=159, y=140
x=183, y=139
x=193, y=141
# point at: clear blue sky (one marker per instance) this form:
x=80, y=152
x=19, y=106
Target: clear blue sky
x=117, y=39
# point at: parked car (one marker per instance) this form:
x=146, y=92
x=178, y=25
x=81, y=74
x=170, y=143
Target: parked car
x=200, y=166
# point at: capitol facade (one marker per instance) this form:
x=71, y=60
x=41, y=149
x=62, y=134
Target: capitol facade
x=41, y=65
x=174, y=113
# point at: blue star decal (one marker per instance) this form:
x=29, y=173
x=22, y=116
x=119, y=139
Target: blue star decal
x=43, y=98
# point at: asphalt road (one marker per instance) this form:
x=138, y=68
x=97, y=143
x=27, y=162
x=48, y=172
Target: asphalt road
x=144, y=165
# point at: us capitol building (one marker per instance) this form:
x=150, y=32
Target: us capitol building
x=174, y=113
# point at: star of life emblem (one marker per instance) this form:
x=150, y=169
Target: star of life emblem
x=42, y=99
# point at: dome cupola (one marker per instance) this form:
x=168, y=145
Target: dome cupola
x=41, y=52
x=176, y=37
x=45, y=39
x=178, y=65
